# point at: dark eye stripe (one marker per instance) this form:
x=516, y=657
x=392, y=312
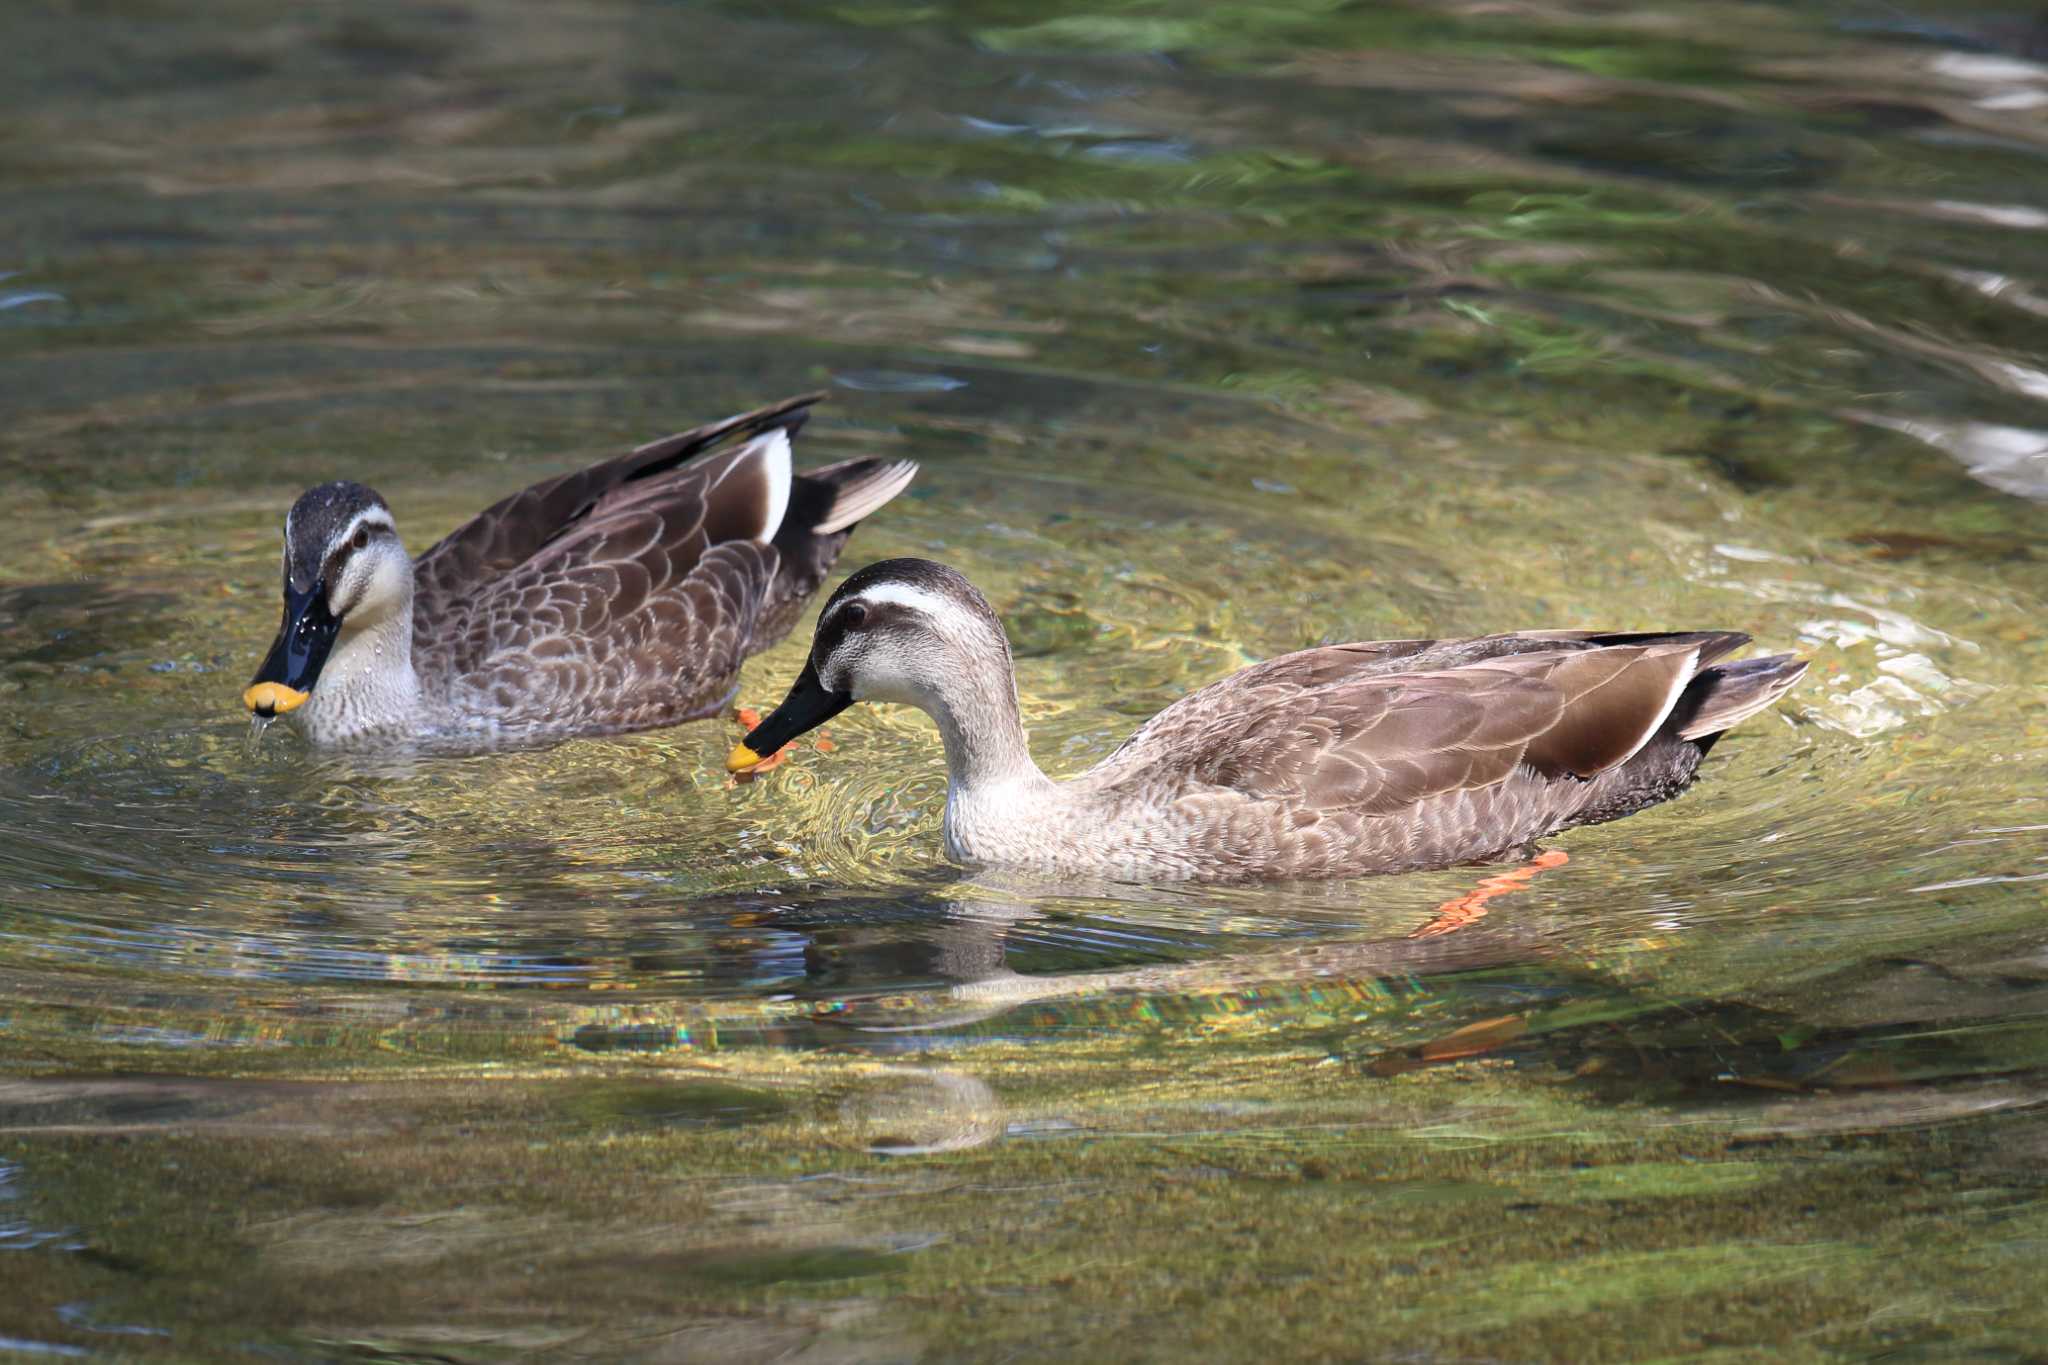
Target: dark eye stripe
x=844, y=620
x=331, y=570
x=877, y=619
x=829, y=636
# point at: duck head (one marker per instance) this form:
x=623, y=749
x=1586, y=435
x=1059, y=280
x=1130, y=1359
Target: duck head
x=343, y=568
x=901, y=630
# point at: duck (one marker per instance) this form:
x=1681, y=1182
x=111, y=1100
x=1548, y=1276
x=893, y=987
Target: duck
x=1333, y=762
x=623, y=596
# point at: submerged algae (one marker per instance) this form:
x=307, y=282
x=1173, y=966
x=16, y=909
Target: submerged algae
x=1219, y=1192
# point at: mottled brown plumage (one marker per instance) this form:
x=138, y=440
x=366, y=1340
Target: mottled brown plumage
x=1375, y=757
x=618, y=597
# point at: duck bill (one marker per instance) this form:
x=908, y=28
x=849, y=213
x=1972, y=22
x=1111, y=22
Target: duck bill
x=807, y=706
x=297, y=655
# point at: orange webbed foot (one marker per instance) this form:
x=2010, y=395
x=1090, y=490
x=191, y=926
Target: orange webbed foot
x=1456, y=914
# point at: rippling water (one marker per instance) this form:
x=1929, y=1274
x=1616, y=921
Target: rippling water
x=1218, y=330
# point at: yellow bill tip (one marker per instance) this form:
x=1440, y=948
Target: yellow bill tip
x=740, y=759
x=273, y=699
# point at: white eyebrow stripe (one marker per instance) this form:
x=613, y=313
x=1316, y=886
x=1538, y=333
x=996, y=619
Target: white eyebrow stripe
x=369, y=516
x=902, y=595
x=939, y=605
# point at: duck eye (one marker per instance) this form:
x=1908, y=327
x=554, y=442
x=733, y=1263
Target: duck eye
x=854, y=614
x=362, y=538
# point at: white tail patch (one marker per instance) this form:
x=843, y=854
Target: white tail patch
x=862, y=498
x=1678, y=686
x=768, y=456
x=1594, y=728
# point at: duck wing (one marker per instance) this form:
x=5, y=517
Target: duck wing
x=637, y=606
x=1381, y=728
x=507, y=534
x=637, y=615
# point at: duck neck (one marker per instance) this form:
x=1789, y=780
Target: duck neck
x=368, y=684
x=986, y=751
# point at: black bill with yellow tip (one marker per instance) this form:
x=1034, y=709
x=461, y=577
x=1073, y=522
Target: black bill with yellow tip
x=296, y=656
x=807, y=706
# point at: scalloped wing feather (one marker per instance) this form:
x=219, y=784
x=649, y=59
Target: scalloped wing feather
x=511, y=531
x=1349, y=729
x=604, y=641
x=638, y=615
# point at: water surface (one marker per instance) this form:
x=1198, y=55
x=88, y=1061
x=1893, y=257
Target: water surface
x=1218, y=331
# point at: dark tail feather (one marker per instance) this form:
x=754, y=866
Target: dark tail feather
x=656, y=456
x=835, y=497
x=1726, y=694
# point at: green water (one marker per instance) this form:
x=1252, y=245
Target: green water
x=1218, y=330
